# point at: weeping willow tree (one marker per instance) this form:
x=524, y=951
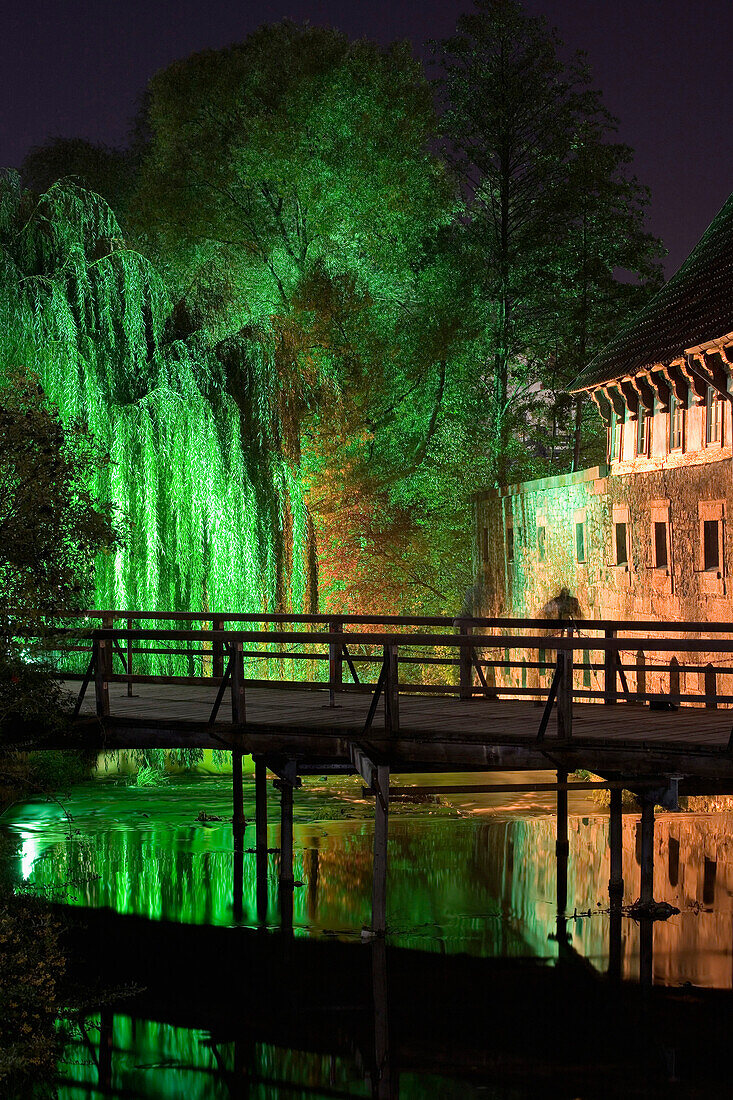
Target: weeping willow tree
x=196, y=477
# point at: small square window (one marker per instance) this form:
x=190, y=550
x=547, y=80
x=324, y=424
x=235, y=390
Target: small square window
x=580, y=541
x=541, y=543
x=661, y=556
x=711, y=544
x=622, y=548
x=510, y=543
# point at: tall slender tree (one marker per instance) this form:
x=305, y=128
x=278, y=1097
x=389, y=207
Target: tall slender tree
x=524, y=130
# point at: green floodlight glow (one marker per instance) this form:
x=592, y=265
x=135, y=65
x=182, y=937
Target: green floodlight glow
x=204, y=498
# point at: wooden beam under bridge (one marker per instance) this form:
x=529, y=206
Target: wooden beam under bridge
x=524, y=788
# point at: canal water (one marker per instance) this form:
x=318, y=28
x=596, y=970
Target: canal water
x=470, y=876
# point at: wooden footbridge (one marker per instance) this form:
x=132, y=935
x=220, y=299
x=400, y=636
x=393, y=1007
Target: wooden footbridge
x=307, y=694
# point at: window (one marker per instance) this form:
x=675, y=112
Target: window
x=617, y=437
x=711, y=544
x=541, y=543
x=676, y=423
x=713, y=417
x=643, y=431
x=580, y=541
x=622, y=547
x=485, y=544
x=510, y=543
x=661, y=551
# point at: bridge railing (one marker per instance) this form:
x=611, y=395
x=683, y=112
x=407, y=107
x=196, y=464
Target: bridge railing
x=557, y=662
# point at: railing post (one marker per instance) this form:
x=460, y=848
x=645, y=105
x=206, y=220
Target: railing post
x=391, y=690
x=217, y=660
x=640, y=673
x=129, y=661
x=335, y=662
x=101, y=683
x=674, y=677
x=711, y=687
x=465, y=660
x=565, y=692
x=108, y=623
x=238, y=703
x=609, y=672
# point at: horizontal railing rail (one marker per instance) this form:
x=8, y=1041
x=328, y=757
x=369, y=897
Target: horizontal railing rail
x=552, y=658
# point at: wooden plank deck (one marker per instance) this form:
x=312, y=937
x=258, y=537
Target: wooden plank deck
x=435, y=733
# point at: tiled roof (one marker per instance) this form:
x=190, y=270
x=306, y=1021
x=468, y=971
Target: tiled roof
x=695, y=306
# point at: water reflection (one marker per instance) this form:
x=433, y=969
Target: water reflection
x=482, y=884
x=487, y=885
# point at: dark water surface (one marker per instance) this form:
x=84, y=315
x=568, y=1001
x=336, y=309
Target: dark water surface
x=476, y=878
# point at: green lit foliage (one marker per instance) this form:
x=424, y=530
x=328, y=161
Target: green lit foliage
x=551, y=216
x=290, y=193
x=184, y=472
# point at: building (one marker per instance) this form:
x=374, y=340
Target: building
x=644, y=536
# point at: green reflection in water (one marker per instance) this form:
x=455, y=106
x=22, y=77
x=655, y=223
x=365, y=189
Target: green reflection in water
x=154, y=1060
x=482, y=884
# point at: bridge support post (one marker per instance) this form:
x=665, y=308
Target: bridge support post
x=646, y=895
x=261, y=836
x=382, y=1088
x=285, y=783
x=381, y=821
x=238, y=822
x=562, y=846
x=646, y=954
x=615, y=846
x=106, y=1044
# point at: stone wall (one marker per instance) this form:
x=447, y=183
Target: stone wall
x=535, y=539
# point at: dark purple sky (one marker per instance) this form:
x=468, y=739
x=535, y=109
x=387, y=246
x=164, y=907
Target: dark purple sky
x=75, y=68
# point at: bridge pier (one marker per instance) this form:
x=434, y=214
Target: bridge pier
x=615, y=845
x=261, y=836
x=381, y=821
x=646, y=895
x=286, y=781
x=238, y=822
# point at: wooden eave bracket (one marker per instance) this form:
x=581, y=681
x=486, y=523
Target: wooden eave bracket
x=616, y=400
x=662, y=387
x=644, y=389
x=631, y=394
x=699, y=379
x=678, y=381
x=600, y=400
x=714, y=364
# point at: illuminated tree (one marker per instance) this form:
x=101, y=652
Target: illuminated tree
x=94, y=319
x=291, y=196
x=550, y=215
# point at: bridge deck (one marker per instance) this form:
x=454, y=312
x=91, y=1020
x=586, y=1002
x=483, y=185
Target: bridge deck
x=435, y=733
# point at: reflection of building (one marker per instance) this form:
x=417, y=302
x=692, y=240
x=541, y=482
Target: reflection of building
x=644, y=536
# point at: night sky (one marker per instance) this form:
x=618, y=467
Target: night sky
x=76, y=68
